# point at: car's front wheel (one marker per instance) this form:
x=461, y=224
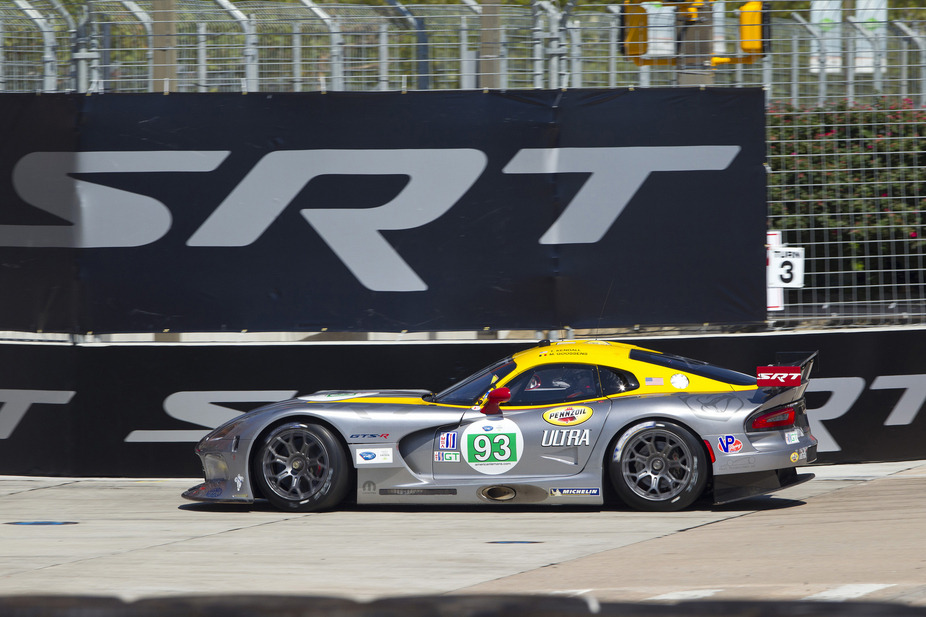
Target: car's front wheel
x=658, y=466
x=301, y=467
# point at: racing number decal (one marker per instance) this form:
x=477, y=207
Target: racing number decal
x=496, y=448
x=492, y=446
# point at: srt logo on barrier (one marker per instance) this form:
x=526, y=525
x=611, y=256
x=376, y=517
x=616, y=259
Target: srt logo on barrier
x=15, y=403
x=438, y=178
x=202, y=407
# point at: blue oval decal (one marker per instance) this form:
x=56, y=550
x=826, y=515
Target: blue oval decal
x=367, y=456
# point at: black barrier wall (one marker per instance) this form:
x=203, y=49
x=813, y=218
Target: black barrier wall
x=381, y=211
x=139, y=410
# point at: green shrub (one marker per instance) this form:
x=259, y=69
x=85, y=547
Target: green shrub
x=848, y=182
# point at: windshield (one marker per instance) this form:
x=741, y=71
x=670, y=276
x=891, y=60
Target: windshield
x=471, y=389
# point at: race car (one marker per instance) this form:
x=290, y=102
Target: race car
x=567, y=422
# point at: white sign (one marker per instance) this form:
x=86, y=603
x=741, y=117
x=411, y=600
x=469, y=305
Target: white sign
x=786, y=267
x=775, y=295
x=826, y=15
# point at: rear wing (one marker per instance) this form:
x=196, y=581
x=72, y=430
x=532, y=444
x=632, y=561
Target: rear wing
x=791, y=369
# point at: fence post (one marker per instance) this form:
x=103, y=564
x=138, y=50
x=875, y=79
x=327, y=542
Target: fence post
x=297, y=56
x=251, y=69
x=875, y=44
x=2, y=59
x=145, y=20
x=537, y=34
x=202, y=58
x=49, y=61
x=334, y=35
x=72, y=40
x=383, y=57
x=554, y=50
x=615, y=10
x=467, y=63
x=850, y=70
x=164, y=27
x=489, y=45
x=821, y=57
x=575, y=56
x=503, y=60
x=421, y=48
x=795, y=69
x=920, y=43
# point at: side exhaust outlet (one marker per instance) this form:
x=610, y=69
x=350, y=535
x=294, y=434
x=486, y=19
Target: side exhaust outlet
x=497, y=493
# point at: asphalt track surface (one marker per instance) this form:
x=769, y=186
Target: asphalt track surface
x=857, y=532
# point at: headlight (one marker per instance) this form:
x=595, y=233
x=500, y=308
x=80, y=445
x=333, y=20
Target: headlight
x=223, y=430
x=215, y=467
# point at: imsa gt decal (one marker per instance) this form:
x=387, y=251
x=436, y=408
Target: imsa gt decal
x=568, y=416
x=492, y=448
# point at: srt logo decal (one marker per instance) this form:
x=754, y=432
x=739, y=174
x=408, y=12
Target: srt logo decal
x=438, y=178
x=778, y=376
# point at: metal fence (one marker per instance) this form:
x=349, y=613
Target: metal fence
x=845, y=91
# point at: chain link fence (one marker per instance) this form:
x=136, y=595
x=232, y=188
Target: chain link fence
x=845, y=92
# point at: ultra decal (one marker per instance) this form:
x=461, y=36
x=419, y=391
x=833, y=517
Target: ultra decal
x=563, y=437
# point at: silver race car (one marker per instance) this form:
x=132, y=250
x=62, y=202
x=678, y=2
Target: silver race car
x=561, y=423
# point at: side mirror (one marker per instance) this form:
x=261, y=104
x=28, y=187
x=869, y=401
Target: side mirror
x=495, y=398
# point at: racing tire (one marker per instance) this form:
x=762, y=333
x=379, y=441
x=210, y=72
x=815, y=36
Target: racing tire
x=658, y=466
x=301, y=467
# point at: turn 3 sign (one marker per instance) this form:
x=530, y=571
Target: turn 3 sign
x=786, y=267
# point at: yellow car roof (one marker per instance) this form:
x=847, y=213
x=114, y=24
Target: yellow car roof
x=653, y=377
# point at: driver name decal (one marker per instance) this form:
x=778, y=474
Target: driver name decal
x=493, y=448
x=568, y=416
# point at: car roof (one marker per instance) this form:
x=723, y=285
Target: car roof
x=592, y=351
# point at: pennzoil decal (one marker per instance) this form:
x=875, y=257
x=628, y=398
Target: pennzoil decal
x=568, y=416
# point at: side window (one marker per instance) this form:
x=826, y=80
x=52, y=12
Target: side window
x=550, y=384
x=616, y=381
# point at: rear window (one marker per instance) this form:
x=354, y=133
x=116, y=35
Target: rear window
x=695, y=367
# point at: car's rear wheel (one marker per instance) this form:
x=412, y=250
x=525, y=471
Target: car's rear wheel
x=301, y=467
x=658, y=466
